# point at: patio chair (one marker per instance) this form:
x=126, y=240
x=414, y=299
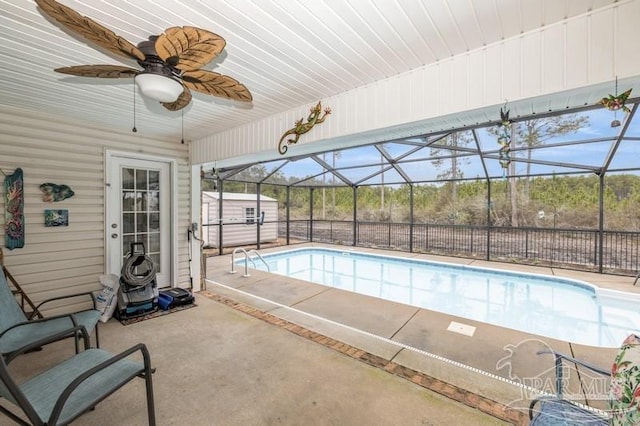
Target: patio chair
x=623, y=405
x=18, y=330
x=64, y=392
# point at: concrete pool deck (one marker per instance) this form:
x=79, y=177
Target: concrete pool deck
x=489, y=370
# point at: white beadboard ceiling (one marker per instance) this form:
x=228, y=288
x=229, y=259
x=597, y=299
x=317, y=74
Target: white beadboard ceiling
x=287, y=52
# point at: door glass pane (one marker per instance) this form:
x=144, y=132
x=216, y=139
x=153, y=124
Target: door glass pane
x=141, y=179
x=141, y=223
x=140, y=211
x=154, y=201
x=127, y=178
x=126, y=243
x=128, y=201
x=154, y=222
x=128, y=224
x=141, y=204
x=154, y=242
x=154, y=180
x=156, y=260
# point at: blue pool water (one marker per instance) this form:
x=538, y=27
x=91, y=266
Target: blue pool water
x=563, y=309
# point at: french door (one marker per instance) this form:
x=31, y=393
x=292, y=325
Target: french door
x=139, y=211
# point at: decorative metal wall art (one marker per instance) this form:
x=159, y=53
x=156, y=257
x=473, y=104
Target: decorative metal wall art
x=52, y=192
x=56, y=217
x=616, y=102
x=14, y=210
x=301, y=128
x=504, y=139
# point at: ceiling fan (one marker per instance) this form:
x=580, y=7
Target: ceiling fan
x=171, y=62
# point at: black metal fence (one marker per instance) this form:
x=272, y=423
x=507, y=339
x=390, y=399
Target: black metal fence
x=614, y=252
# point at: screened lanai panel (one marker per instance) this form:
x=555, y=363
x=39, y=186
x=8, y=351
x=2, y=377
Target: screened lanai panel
x=299, y=170
x=421, y=171
x=627, y=155
x=358, y=175
x=540, y=169
x=429, y=153
x=354, y=157
x=273, y=166
x=634, y=127
x=487, y=139
x=589, y=154
x=462, y=140
x=450, y=167
x=248, y=174
x=494, y=169
x=397, y=150
x=600, y=124
x=325, y=179
x=388, y=177
x=422, y=154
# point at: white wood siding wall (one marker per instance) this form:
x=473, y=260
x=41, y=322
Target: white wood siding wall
x=61, y=260
x=584, y=51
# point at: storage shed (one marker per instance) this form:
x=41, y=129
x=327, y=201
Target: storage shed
x=240, y=219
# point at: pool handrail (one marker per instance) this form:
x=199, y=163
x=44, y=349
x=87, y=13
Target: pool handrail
x=247, y=257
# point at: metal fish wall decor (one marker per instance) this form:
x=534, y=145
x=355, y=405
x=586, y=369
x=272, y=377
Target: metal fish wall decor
x=53, y=192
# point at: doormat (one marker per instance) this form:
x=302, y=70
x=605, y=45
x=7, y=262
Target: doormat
x=156, y=314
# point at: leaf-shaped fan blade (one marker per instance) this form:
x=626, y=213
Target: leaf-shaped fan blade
x=102, y=71
x=193, y=47
x=216, y=84
x=182, y=101
x=90, y=29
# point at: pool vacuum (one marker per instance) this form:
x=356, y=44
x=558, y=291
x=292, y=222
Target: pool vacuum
x=138, y=292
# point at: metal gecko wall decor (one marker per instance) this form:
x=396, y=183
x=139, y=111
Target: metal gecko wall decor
x=14, y=210
x=504, y=139
x=301, y=128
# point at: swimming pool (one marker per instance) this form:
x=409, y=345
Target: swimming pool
x=559, y=308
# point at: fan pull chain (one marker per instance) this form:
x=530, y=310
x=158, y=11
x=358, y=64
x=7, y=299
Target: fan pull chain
x=134, y=108
x=182, y=112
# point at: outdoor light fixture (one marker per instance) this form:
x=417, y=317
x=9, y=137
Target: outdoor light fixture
x=159, y=87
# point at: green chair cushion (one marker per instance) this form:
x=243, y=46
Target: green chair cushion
x=43, y=390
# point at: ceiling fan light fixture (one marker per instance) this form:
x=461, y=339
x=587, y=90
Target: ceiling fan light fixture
x=159, y=87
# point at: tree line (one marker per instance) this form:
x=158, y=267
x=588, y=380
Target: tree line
x=568, y=202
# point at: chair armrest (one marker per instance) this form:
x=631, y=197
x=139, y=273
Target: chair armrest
x=68, y=296
x=560, y=358
x=72, y=320
x=147, y=371
x=78, y=329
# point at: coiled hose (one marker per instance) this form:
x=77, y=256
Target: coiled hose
x=133, y=264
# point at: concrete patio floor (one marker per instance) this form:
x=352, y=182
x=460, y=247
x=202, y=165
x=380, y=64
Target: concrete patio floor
x=270, y=350
x=219, y=366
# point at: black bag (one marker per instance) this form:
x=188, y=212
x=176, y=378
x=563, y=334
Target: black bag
x=174, y=297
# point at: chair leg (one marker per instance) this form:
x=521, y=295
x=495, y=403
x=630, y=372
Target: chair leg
x=97, y=338
x=151, y=412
